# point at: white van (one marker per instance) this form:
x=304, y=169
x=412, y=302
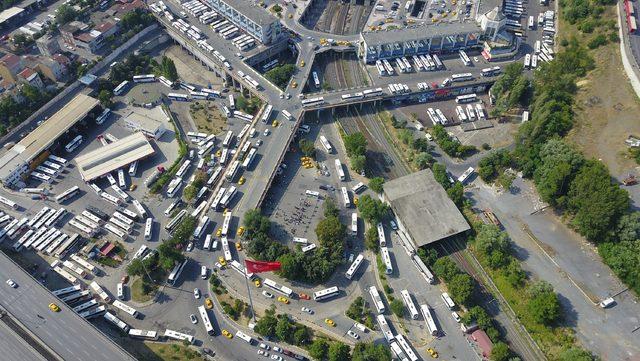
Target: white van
x=203, y=272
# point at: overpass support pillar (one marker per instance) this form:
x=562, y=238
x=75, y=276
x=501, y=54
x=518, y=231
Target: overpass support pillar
x=333, y=112
x=318, y=113
x=361, y=106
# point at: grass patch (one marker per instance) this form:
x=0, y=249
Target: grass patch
x=142, y=290
x=170, y=352
x=207, y=117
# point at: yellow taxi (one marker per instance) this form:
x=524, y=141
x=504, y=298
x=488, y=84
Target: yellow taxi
x=226, y=210
x=294, y=84
x=329, y=322
x=355, y=200
x=432, y=352
x=238, y=246
x=240, y=231
x=227, y=334
x=290, y=16
x=222, y=261
x=241, y=180
x=53, y=307
x=302, y=63
x=275, y=123
x=208, y=303
x=218, y=153
x=283, y=300
x=257, y=282
x=133, y=187
x=219, y=232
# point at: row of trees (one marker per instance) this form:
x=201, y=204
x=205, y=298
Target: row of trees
x=283, y=328
x=13, y=112
x=356, y=147
x=192, y=189
x=313, y=267
x=134, y=21
x=167, y=68
x=512, y=89
x=449, y=145
x=324, y=350
x=280, y=75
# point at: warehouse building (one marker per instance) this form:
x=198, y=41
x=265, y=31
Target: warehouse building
x=113, y=156
x=424, y=211
x=149, y=122
x=16, y=162
x=250, y=18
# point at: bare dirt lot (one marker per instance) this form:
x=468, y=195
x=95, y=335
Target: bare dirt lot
x=207, y=117
x=607, y=112
x=186, y=64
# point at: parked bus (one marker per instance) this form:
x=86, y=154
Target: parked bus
x=354, y=223
x=145, y=78
x=116, y=231
x=429, y=320
x=408, y=302
x=316, y=80
x=464, y=57
x=63, y=291
x=345, y=197
x=325, y=143
x=376, y=299
x=204, y=315
x=465, y=176
x=143, y=334
x=201, y=228
x=148, y=228
x=381, y=236
x=358, y=188
x=179, y=336
x=111, y=199
x=384, y=327
x=386, y=258
x=280, y=289
x=103, y=116
x=100, y=292
x=178, y=97
x=354, y=267
x=326, y=293
x=133, y=168
x=126, y=308
x=339, y=169
x=74, y=144
x=175, y=273
x=121, y=88
x=225, y=249
x=424, y=270
x=406, y=347
x=61, y=251
x=447, y=300
x=467, y=98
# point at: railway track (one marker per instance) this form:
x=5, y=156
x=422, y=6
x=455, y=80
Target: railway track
x=327, y=20
x=339, y=66
x=341, y=19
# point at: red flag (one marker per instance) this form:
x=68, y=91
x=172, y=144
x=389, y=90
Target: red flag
x=260, y=266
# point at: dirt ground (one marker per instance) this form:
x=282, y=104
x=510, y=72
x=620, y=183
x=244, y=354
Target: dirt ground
x=207, y=117
x=186, y=64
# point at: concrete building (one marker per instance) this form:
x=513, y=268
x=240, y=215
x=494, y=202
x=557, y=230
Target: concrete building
x=68, y=31
x=48, y=45
x=419, y=39
x=31, y=77
x=113, y=156
x=10, y=16
x=424, y=211
x=53, y=68
x=249, y=17
x=14, y=163
x=149, y=122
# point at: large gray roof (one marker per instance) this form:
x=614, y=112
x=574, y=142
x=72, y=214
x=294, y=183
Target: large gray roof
x=424, y=208
x=418, y=32
x=254, y=12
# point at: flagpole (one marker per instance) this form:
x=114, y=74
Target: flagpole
x=246, y=279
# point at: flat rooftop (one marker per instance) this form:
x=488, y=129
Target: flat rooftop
x=65, y=333
x=257, y=14
x=47, y=133
x=424, y=208
x=113, y=156
x=418, y=32
x=149, y=119
x=9, y=13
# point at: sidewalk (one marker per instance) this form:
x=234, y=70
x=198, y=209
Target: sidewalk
x=629, y=61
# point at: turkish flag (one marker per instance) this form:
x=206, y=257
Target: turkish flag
x=260, y=266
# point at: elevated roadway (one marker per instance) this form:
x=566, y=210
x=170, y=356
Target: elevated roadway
x=66, y=335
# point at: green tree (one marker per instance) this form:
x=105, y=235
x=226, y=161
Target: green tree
x=478, y=316
x=358, y=163
x=330, y=230
x=397, y=307
x=423, y=160
x=494, y=245
x=576, y=354
x=456, y=193
x=318, y=349
x=280, y=75
x=307, y=147
x=135, y=268
x=355, y=144
x=105, y=98
x=254, y=221
x=543, y=304
x=338, y=351
x=330, y=208
x=266, y=326
x=189, y=192
x=376, y=184
x=440, y=174
x=445, y=268
x=628, y=228
x=370, y=352
x=371, y=240
x=428, y=255
x=514, y=274
x=168, y=68
x=373, y=210
x=65, y=14
x=461, y=288
x=283, y=328
x=500, y=352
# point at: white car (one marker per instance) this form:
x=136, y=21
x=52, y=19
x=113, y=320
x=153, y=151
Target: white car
x=259, y=142
x=196, y=293
x=264, y=346
x=193, y=318
x=307, y=310
x=218, y=265
x=267, y=294
x=353, y=334
x=12, y=283
x=266, y=132
x=394, y=226
x=190, y=247
x=475, y=58
x=278, y=349
x=455, y=316
x=263, y=353
x=276, y=357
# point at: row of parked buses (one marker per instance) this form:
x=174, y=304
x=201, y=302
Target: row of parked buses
x=427, y=62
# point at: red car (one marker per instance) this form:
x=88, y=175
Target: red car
x=304, y=296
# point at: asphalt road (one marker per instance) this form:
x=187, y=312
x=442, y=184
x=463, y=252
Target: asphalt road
x=66, y=333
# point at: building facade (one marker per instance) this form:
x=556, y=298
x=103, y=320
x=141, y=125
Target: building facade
x=250, y=18
x=48, y=45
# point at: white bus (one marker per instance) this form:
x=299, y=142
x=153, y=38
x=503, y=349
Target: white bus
x=56, y=244
x=37, y=216
x=354, y=223
x=225, y=249
x=63, y=291
x=116, y=231
x=225, y=224
x=377, y=300
x=240, y=269
x=232, y=102
x=228, y=139
x=384, y=327
x=178, y=336
x=178, y=97
x=464, y=57
x=120, y=290
x=215, y=205
x=121, y=88
x=309, y=247
x=406, y=297
x=339, y=169
x=386, y=258
x=122, y=182
x=406, y=347
x=249, y=159
x=75, y=296
x=133, y=168
x=354, y=267
x=231, y=173
x=93, y=312
x=465, y=176
x=447, y=300
x=285, y=113
x=111, y=199
x=316, y=80
x=204, y=315
x=397, y=351
x=184, y=167
x=175, y=273
x=207, y=242
x=201, y=228
x=381, y=237
x=428, y=318
x=143, y=334
x=148, y=229
x=116, y=321
x=358, y=188
x=467, y=98
x=244, y=337
x=145, y=78
x=527, y=61
x=100, y=292
x=73, y=145
x=83, y=263
x=61, y=251
x=424, y=270
x=166, y=82
x=326, y=293
x=81, y=227
x=228, y=197
x=266, y=114
x=103, y=116
x=126, y=308
x=313, y=102
x=174, y=187
x=121, y=217
x=8, y=202
x=345, y=197
x=461, y=77
x=325, y=143
x=86, y=305
x=280, y=289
